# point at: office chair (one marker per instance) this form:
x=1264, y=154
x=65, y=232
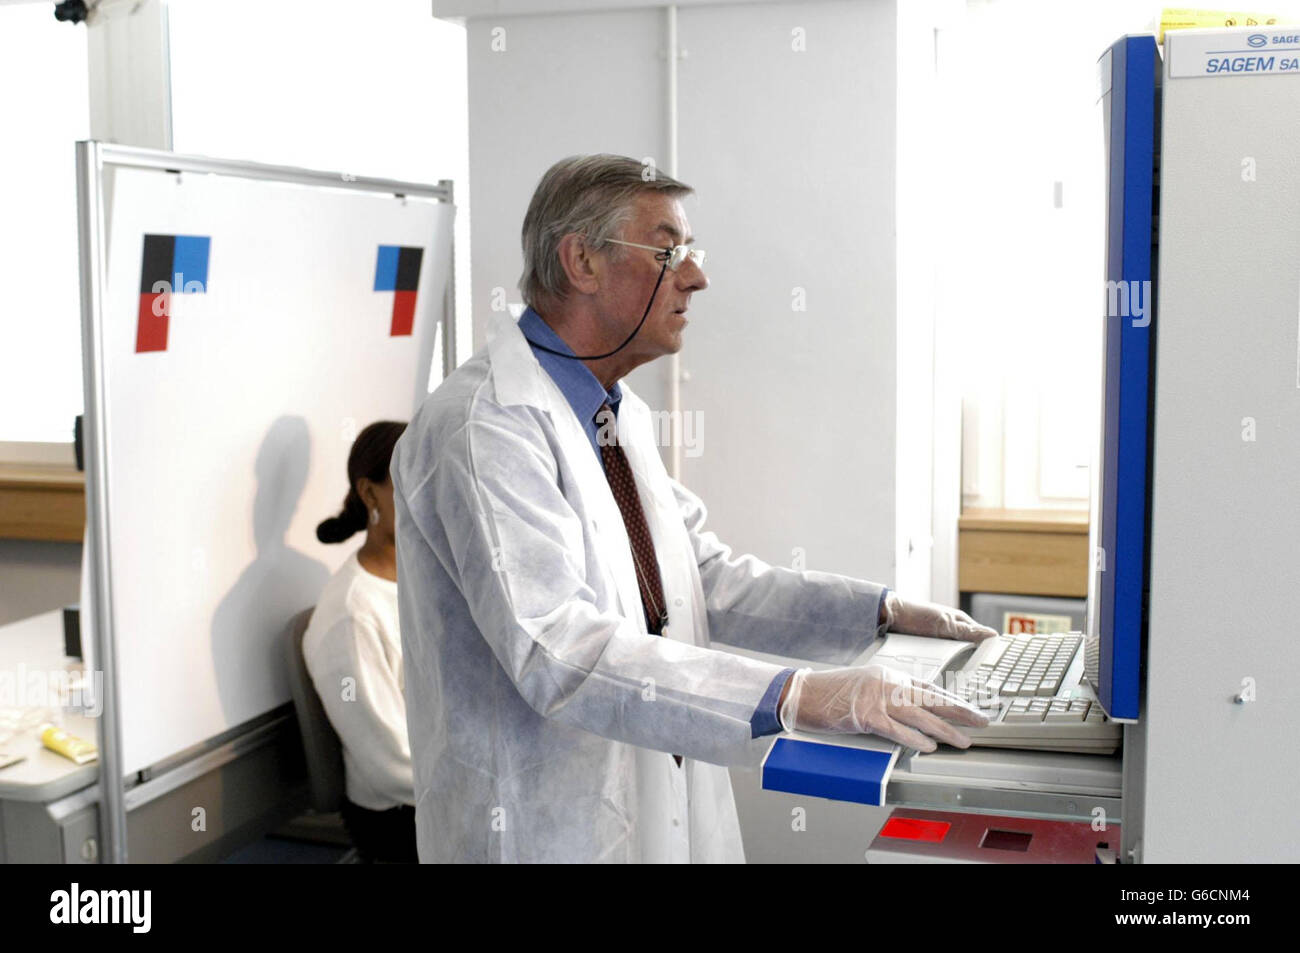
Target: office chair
x=320, y=743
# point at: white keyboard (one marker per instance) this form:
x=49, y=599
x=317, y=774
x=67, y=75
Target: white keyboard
x=1026, y=666
x=1031, y=687
x=1033, y=690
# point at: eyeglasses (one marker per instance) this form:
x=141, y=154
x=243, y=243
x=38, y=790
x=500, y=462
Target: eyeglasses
x=674, y=255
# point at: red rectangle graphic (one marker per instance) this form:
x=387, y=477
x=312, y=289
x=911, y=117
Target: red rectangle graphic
x=403, y=313
x=151, y=322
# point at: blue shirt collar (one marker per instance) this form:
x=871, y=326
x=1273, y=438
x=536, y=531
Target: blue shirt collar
x=575, y=380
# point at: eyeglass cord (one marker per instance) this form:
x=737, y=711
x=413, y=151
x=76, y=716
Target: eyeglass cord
x=596, y=357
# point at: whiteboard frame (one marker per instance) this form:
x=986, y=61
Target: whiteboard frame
x=93, y=157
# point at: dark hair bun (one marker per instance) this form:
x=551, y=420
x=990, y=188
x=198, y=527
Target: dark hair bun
x=371, y=454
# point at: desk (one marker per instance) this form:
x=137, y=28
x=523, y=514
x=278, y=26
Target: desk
x=1024, y=552
x=47, y=802
x=30, y=646
x=249, y=780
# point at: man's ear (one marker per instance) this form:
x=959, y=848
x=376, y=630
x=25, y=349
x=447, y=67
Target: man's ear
x=580, y=267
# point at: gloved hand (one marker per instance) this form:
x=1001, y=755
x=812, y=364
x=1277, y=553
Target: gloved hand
x=873, y=699
x=927, y=618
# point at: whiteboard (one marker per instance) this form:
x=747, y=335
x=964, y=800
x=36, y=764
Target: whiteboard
x=227, y=425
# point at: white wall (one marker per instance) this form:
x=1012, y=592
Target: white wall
x=541, y=88
x=786, y=126
x=37, y=576
x=795, y=191
x=788, y=131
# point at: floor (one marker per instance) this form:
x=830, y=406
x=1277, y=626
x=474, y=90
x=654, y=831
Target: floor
x=307, y=839
x=279, y=850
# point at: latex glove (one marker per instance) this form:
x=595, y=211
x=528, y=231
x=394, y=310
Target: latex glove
x=873, y=699
x=927, y=618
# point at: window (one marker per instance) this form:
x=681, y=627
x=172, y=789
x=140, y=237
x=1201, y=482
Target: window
x=1022, y=273
x=376, y=89
x=44, y=110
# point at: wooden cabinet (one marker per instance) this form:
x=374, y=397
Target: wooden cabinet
x=42, y=502
x=1031, y=552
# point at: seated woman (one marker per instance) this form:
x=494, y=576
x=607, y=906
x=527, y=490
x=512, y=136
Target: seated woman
x=353, y=650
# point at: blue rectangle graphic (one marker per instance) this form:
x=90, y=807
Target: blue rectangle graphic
x=386, y=268
x=190, y=264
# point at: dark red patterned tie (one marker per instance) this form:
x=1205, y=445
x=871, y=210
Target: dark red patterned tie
x=621, y=482
x=619, y=474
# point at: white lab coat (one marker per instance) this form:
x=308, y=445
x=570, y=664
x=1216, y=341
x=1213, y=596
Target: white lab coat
x=542, y=716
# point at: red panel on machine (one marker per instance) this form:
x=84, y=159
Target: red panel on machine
x=911, y=828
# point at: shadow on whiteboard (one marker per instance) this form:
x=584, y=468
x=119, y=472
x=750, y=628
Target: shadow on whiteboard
x=247, y=658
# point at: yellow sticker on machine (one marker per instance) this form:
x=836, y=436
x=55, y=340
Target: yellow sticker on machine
x=1184, y=18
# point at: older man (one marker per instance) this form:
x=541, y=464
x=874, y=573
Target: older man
x=559, y=593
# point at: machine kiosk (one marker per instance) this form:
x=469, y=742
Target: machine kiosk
x=1195, y=513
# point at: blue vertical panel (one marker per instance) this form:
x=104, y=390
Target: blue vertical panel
x=190, y=263
x=386, y=268
x=1125, y=479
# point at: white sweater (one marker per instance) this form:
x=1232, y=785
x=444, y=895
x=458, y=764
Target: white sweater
x=353, y=650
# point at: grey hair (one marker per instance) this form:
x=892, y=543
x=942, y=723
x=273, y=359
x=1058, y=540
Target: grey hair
x=590, y=195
